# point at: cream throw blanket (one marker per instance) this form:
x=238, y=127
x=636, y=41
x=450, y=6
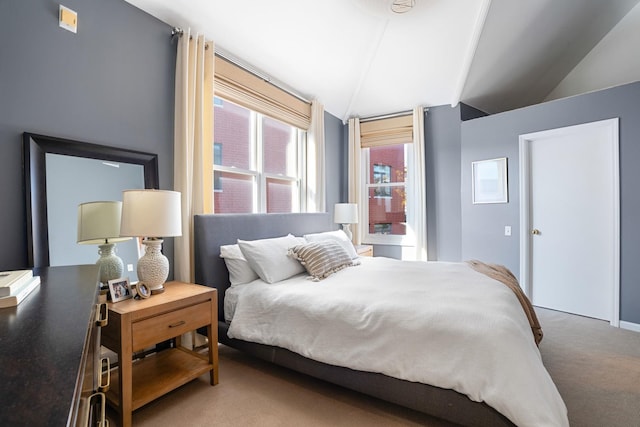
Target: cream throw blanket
x=504, y=275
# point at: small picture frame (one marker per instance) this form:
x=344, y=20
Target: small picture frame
x=142, y=290
x=119, y=289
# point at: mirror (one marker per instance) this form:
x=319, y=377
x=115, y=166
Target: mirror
x=59, y=175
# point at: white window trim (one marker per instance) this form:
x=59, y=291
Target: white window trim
x=302, y=168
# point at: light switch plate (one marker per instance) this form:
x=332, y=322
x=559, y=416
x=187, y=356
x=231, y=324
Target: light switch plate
x=68, y=19
x=507, y=230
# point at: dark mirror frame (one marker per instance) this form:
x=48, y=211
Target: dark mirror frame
x=35, y=148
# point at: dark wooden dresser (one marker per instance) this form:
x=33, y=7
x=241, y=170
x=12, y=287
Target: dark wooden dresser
x=46, y=345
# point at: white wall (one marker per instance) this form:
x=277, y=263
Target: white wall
x=613, y=61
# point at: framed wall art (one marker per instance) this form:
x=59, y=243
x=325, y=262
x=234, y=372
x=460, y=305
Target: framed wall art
x=489, y=181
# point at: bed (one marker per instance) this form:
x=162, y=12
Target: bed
x=213, y=231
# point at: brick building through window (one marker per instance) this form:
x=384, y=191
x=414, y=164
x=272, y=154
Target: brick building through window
x=256, y=162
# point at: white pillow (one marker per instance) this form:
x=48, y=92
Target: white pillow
x=240, y=271
x=269, y=257
x=339, y=236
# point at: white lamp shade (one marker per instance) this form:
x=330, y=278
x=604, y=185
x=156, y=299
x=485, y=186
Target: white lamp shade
x=151, y=213
x=345, y=213
x=99, y=223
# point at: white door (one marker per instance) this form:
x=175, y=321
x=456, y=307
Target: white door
x=570, y=219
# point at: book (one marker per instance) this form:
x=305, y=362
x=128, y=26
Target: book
x=13, y=300
x=11, y=282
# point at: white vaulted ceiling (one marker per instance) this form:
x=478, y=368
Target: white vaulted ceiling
x=360, y=59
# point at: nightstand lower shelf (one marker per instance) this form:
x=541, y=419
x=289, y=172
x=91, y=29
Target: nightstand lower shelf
x=176, y=366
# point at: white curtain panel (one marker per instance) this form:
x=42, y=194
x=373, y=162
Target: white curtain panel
x=316, y=175
x=356, y=189
x=193, y=123
x=418, y=195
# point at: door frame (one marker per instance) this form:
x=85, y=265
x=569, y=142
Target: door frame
x=525, y=141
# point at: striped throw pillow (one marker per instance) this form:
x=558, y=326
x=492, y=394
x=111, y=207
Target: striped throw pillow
x=322, y=258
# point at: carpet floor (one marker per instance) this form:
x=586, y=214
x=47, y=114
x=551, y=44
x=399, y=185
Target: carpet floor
x=596, y=368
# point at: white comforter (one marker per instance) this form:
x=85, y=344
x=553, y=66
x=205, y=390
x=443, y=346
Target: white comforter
x=437, y=323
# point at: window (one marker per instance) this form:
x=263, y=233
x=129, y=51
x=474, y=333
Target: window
x=262, y=166
x=387, y=192
x=386, y=179
x=387, y=155
x=262, y=132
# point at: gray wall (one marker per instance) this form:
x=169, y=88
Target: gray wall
x=111, y=83
x=497, y=136
x=442, y=150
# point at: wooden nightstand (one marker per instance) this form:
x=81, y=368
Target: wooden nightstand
x=364, y=250
x=135, y=325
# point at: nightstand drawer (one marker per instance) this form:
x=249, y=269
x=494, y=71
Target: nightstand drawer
x=150, y=331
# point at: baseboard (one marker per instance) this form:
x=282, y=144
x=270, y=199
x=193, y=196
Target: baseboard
x=630, y=326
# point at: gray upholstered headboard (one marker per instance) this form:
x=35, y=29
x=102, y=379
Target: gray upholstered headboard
x=213, y=231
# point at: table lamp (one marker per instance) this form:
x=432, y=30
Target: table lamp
x=346, y=214
x=99, y=224
x=151, y=214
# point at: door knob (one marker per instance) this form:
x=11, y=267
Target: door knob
x=535, y=231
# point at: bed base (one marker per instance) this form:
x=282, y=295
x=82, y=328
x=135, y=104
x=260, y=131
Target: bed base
x=212, y=231
x=441, y=403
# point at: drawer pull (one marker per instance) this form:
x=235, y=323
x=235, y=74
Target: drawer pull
x=102, y=321
x=105, y=363
x=87, y=406
x=175, y=325
x=102, y=421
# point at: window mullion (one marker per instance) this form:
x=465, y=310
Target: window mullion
x=235, y=170
x=303, y=193
x=262, y=182
x=280, y=177
x=387, y=184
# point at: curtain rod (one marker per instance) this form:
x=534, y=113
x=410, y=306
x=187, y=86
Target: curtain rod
x=176, y=31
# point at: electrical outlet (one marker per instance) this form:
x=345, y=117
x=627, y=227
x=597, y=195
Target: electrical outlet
x=129, y=267
x=507, y=230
